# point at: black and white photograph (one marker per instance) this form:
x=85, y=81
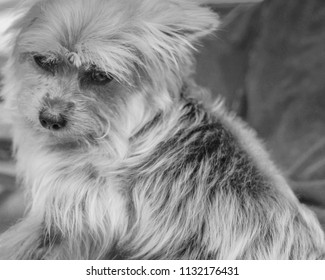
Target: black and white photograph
x=162, y=130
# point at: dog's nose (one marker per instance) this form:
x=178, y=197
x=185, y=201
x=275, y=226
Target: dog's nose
x=52, y=121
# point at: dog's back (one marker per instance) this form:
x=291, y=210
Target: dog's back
x=201, y=193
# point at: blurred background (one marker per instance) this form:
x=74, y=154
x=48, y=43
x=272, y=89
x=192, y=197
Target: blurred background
x=268, y=61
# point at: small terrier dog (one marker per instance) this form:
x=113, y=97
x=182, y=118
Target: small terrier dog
x=119, y=153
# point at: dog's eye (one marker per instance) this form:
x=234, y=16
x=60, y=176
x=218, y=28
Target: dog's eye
x=100, y=77
x=44, y=63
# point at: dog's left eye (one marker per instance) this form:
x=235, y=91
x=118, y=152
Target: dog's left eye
x=44, y=63
x=100, y=77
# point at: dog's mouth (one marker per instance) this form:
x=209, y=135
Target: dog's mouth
x=64, y=133
x=68, y=140
x=67, y=127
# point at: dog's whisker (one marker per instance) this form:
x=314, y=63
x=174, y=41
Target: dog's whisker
x=105, y=134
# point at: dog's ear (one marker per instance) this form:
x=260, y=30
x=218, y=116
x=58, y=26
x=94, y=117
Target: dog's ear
x=21, y=16
x=26, y=13
x=186, y=20
x=169, y=31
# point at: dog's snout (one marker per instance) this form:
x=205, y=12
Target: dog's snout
x=53, y=115
x=52, y=121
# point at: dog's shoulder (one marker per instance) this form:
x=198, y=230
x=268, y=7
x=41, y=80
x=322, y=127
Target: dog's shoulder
x=201, y=145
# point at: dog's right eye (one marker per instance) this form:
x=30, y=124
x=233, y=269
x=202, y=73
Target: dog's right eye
x=44, y=63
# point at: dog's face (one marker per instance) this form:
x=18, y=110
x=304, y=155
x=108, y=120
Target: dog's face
x=83, y=69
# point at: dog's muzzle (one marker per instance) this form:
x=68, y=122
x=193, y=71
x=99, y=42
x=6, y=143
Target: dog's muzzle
x=53, y=115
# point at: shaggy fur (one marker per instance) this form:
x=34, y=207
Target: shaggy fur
x=142, y=168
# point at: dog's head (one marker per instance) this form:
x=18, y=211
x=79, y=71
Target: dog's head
x=82, y=69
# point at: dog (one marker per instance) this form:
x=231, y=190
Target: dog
x=123, y=156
